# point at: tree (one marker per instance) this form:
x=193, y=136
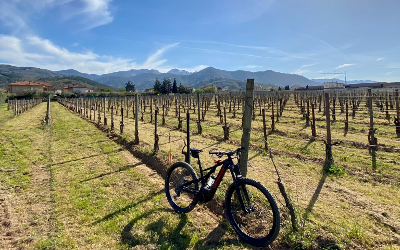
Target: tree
x=183, y=90
x=166, y=86
x=210, y=89
x=129, y=87
x=287, y=87
x=279, y=88
x=174, y=87
x=157, y=86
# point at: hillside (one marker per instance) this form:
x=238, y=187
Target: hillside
x=59, y=82
x=144, y=78
x=10, y=74
x=209, y=75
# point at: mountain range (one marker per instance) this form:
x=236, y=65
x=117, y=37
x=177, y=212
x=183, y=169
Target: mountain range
x=342, y=81
x=145, y=78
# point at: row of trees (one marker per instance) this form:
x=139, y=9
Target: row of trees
x=166, y=87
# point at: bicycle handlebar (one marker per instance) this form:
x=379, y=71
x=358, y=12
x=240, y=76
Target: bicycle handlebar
x=222, y=153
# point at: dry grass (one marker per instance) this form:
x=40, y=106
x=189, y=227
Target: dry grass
x=356, y=208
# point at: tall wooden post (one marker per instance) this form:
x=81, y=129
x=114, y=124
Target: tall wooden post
x=265, y=131
x=313, y=131
x=397, y=119
x=247, y=115
x=136, y=141
x=373, y=141
x=156, y=147
x=48, y=111
x=187, y=156
x=121, y=124
x=199, y=129
x=328, y=144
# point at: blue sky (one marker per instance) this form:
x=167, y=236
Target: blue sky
x=307, y=37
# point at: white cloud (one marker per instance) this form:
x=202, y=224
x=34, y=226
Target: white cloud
x=308, y=65
x=344, y=65
x=252, y=66
x=379, y=59
x=300, y=71
x=38, y=52
x=75, y=44
x=17, y=14
x=153, y=61
x=94, y=13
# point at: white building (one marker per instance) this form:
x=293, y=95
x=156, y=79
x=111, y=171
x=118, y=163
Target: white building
x=333, y=85
x=77, y=89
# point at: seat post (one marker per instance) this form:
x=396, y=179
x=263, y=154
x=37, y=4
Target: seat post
x=201, y=169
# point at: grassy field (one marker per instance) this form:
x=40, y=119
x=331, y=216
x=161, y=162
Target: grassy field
x=72, y=185
x=356, y=206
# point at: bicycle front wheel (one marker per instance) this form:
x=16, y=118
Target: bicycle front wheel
x=258, y=221
x=178, y=194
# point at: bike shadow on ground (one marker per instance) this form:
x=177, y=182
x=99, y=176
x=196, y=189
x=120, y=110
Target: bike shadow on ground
x=316, y=194
x=215, y=239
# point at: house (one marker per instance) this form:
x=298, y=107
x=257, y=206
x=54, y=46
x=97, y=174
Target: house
x=77, y=89
x=333, y=85
x=375, y=85
x=18, y=88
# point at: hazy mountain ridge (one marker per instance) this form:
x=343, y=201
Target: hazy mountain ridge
x=10, y=74
x=342, y=81
x=145, y=78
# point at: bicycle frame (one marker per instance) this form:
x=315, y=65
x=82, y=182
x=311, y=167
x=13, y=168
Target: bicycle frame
x=204, y=194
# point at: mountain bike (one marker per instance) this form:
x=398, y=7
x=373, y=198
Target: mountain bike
x=249, y=206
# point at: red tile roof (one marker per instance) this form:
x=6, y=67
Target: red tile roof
x=29, y=83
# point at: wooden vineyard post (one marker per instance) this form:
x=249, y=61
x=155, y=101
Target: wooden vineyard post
x=48, y=111
x=265, y=131
x=328, y=143
x=397, y=119
x=163, y=115
x=225, y=127
x=121, y=124
x=313, y=131
x=179, y=118
x=277, y=107
x=272, y=118
x=247, y=115
x=373, y=141
x=346, y=123
x=151, y=110
x=112, y=118
x=156, y=138
x=99, y=111
x=136, y=141
x=104, y=112
x=187, y=156
x=199, y=129
x=308, y=113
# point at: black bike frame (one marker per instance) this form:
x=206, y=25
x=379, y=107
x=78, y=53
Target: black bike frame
x=226, y=164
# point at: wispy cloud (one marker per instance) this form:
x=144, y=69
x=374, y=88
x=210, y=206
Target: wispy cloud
x=17, y=15
x=379, y=59
x=154, y=61
x=252, y=66
x=38, y=52
x=344, y=65
x=324, y=42
x=94, y=13
x=274, y=52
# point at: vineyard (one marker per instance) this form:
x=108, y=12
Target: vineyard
x=337, y=153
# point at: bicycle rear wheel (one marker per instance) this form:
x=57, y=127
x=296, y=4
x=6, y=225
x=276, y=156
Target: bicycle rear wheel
x=259, y=224
x=180, y=200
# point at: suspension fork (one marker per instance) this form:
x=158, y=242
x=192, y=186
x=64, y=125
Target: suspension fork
x=239, y=192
